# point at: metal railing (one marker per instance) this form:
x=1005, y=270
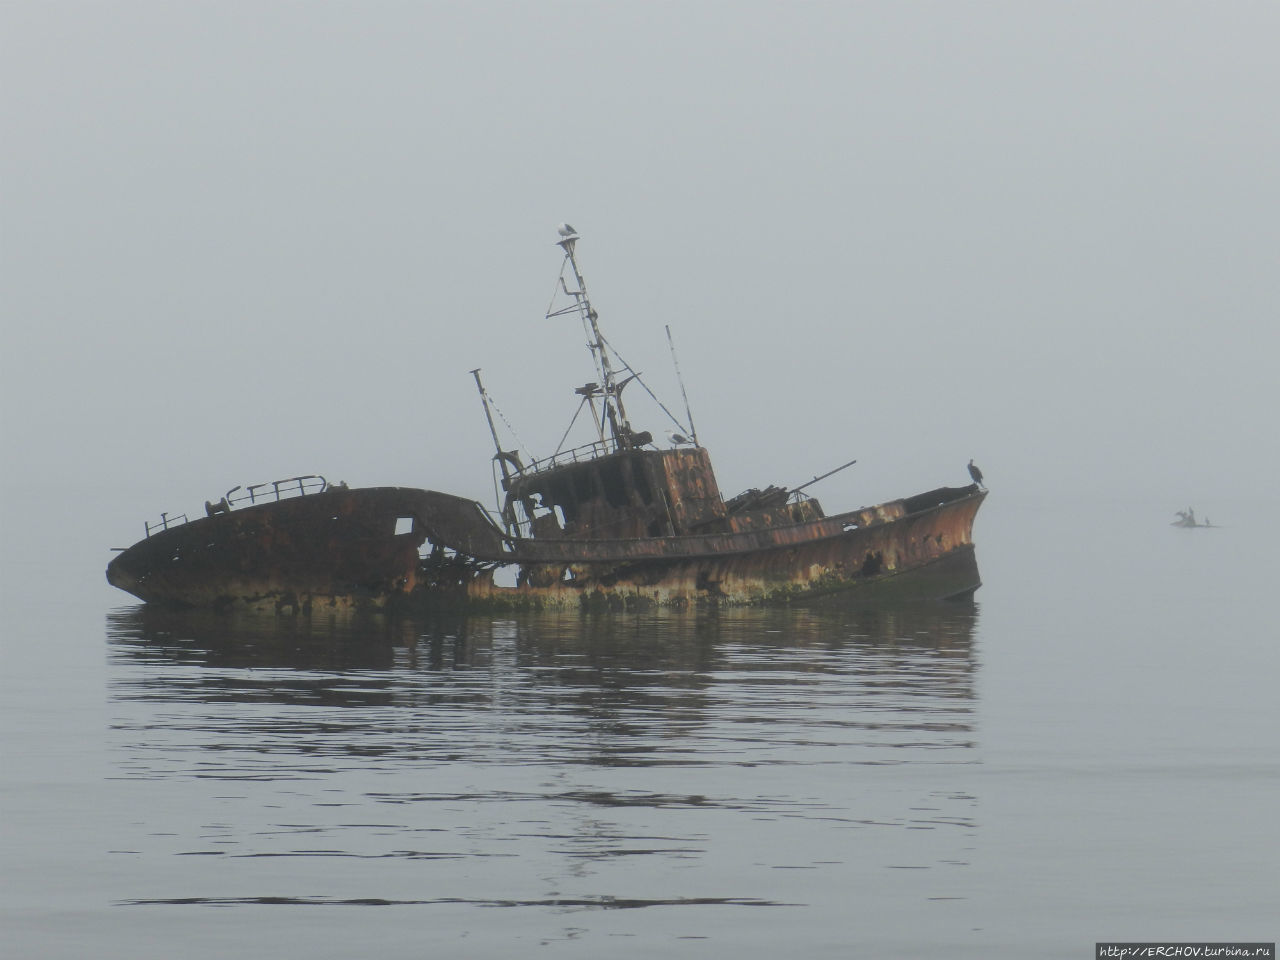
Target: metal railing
x=251, y=495
x=165, y=522
x=588, y=451
x=277, y=490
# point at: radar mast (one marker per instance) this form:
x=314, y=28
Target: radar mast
x=609, y=389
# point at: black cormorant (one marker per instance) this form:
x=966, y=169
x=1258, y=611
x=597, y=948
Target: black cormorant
x=975, y=473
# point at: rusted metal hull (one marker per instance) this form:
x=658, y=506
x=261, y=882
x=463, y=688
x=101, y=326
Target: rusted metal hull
x=927, y=554
x=339, y=548
x=374, y=547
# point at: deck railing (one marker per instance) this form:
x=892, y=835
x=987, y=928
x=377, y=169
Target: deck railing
x=248, y=496
x=165, y=522
x=277, y=490
x=588, y=451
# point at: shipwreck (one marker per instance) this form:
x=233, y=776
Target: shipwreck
x=621, y=521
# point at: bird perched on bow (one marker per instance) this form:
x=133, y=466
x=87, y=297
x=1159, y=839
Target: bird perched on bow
x=975, y=472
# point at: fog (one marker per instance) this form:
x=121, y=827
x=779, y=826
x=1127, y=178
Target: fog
x=244, y=241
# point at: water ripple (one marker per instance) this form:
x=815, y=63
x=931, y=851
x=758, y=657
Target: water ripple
x=546, y=761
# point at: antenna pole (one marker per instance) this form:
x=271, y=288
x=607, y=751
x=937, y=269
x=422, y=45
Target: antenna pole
x=810, y=483
x=616, y=413
x=493, y=431
x=688, y=412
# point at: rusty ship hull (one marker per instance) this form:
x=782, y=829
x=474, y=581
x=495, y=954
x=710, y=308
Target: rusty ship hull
x=412, y=549
x=927, y=555
x=339, y=548
x=335, y=548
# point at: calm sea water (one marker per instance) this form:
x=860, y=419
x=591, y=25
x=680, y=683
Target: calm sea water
x=1088, y=752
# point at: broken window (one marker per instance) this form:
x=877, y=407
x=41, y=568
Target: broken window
x=615, y=488
x=640, y=478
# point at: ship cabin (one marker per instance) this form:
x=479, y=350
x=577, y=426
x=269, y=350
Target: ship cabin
x=637, y=493
x=624, y=487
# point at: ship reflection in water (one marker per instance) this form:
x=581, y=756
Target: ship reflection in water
x=750, y=757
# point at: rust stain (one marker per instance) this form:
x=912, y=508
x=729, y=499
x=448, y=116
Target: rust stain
x=347, y=548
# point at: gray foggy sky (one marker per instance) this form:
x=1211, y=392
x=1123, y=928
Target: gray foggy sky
x=251, y=240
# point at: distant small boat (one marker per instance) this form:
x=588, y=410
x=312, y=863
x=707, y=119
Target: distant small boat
x=1187, y=518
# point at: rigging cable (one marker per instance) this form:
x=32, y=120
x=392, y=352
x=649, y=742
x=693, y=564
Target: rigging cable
x=560, y=446
x=519, y=442
x=640, y=381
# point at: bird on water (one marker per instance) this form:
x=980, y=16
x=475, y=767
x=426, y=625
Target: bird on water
x=975, y=472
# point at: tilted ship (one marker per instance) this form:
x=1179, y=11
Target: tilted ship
x=619, y=522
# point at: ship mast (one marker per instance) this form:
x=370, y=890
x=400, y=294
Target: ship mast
x=501, y=455
x=609, y=389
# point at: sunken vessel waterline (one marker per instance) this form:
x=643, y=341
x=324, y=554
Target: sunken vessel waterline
x=621, y=521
